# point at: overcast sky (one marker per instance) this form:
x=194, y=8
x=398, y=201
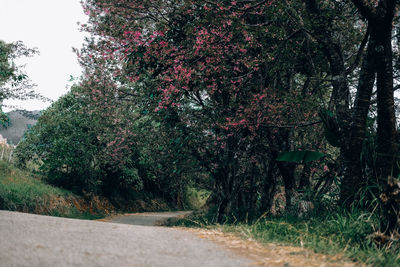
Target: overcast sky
x=51, y=26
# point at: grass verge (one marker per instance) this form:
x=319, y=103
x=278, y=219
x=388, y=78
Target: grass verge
x=345, y=233
x=22, y=191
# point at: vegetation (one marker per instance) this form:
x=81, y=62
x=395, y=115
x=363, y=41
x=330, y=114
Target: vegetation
x=14, y=83
x=274, y=107
x=6, y=152
x=235, y=92
x=346, y=233
x=21, y=191
x=77, y=151
x=19, y=121
x=196, y=199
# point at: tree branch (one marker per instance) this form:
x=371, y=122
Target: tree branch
x=365, y=9
x=359, y=53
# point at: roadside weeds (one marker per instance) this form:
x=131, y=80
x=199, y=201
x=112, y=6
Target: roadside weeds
x=270, y=254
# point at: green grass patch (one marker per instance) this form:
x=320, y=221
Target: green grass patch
x=345, y=233
x=195, y=198
x=25, y=192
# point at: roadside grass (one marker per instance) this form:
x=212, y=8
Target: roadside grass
x=195, y=198
x=25, y=192
x=337, y=233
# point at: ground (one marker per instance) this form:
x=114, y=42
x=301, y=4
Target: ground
x=34, y=240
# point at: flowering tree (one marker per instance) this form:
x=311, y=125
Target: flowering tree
x=220, y=73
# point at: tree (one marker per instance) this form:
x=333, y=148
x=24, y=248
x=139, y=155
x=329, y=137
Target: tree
x=236, y=83
x=14, y=83
x=380, y=18
x=376, y=65
x=67, y=140
x=212, y=71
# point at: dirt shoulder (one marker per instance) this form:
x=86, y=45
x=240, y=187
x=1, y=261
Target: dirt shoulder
x=260, y=254
x=270, y=254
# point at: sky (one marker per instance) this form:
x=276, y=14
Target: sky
x=51, y=26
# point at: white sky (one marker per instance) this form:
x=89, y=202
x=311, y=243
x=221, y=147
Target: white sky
x=51, y=26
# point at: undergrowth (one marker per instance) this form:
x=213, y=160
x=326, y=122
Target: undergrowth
x=340, y=232
x=195, y=198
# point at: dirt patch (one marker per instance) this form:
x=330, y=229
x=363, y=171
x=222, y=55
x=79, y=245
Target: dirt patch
x=139, y=205
x=271, y=254
x=145, y=218
x=93, y=205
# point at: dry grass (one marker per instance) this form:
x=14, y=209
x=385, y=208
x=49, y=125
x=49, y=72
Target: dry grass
x=271, y=254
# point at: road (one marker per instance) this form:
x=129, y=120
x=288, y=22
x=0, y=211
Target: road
x=34, y=240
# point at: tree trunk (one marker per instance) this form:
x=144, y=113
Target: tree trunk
x=287, y=171
x=386, y=131
x=280, y=142
x=351, y=129
x=305, y=183
x=227, y=187
x=380, y=19
x=351, y=151
x=269, y=186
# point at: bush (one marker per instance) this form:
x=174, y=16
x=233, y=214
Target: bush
x=196, y=198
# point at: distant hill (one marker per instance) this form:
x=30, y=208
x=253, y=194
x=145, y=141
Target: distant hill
x=20, y=121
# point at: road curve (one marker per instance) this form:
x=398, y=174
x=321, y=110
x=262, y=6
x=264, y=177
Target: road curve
x=34, y=240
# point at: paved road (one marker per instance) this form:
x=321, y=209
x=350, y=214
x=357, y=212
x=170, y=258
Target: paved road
x=34, y=240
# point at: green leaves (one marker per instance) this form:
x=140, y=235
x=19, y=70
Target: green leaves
x=300, y=156
x=4, y=119
x=14, y=82
x=331, y=127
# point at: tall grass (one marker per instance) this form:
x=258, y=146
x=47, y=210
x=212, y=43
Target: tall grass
x=339, y=232
x=21, y=191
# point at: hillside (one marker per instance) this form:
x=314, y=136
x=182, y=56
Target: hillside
x=20, y=121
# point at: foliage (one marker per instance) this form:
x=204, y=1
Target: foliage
x=14, y=82
x=300, y=156
x=66, y=140
x=195, y=198
x=229, y=96
x=78, y=149
x=210, y=78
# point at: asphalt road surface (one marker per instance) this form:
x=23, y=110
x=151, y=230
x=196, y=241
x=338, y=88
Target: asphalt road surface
x=34, y=240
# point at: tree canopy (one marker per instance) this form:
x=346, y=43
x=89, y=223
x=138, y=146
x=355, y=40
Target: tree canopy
x=254, y=97
x=14, y=82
